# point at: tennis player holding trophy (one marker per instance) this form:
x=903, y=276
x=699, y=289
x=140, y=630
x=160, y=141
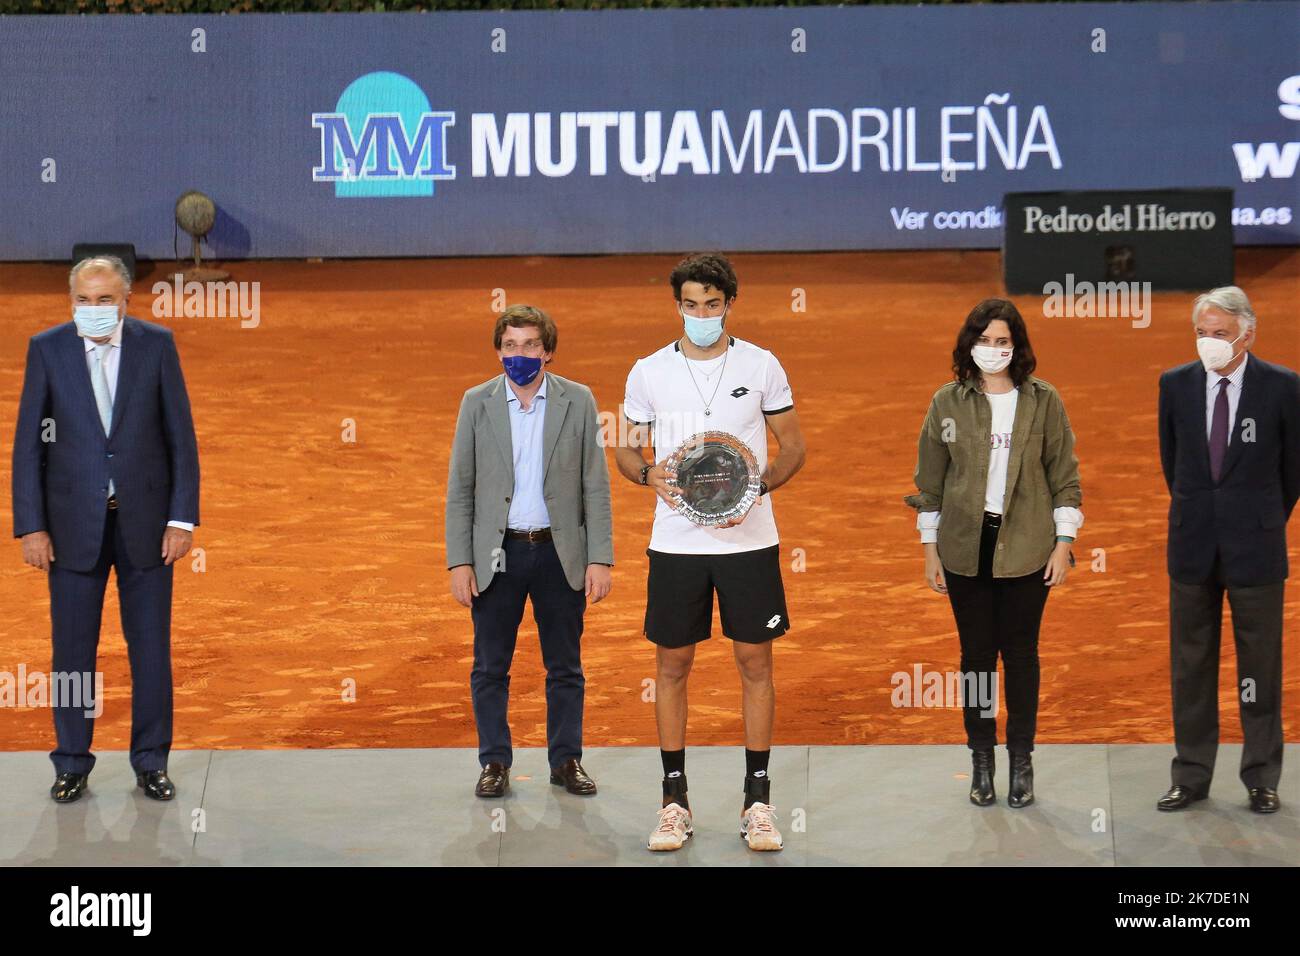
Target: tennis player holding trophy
x=708, y=399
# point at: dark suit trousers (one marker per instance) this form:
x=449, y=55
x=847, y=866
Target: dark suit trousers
x=76, y=610
x=998, y=616
x=1195, y=620
x=533, y=571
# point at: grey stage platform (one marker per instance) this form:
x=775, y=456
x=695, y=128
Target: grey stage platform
x=899, y=805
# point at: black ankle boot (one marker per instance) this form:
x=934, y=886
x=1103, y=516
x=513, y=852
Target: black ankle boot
x=1022, y=780
x=981, y=777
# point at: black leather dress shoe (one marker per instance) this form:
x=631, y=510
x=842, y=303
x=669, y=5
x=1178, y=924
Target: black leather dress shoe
x=1264, y=799
x=1021, y=793
x=1179, y=797
x=494, y=781
x=156, y=785
x=981, y=777
x=68, y=787
x=574, y=778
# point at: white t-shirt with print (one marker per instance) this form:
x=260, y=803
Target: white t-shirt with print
x=1004, y=417
x=752, y=385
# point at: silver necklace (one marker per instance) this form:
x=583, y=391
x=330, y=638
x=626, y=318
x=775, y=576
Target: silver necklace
x=696, y=384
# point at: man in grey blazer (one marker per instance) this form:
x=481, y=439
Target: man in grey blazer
x=528, y=516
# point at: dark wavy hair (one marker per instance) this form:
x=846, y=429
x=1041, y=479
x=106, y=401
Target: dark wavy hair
x=1023, y=362
x=708, y=269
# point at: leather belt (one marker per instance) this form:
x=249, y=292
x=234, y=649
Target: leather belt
x=537, y=534
x=112, y=502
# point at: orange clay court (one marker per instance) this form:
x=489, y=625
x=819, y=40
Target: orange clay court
x=325, y=559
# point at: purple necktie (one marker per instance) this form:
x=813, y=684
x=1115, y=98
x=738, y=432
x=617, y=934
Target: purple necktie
x=1219, y=431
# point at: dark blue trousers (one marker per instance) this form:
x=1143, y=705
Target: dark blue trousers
x=76, y=610
x=533, y=571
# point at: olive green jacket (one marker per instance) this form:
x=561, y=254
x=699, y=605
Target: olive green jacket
x=952, y=471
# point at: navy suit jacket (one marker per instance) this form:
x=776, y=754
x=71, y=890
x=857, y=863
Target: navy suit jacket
x=152, y=456
x=1244, y=514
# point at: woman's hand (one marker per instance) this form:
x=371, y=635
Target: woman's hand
x=1058, y=565
x=934, y=568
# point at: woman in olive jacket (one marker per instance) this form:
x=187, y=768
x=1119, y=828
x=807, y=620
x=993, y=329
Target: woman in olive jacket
x=996, y=459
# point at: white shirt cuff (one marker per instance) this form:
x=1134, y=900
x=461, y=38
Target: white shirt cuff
x=1068, y=521
x=927, y=522
x=183, y=525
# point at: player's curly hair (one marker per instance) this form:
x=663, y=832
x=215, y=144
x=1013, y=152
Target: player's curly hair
x=708, y=269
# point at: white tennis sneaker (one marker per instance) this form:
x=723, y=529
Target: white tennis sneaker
x=673, y=830
x=757, y=828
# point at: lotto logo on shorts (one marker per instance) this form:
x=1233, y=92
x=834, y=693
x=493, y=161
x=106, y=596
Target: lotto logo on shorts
x=776, y=619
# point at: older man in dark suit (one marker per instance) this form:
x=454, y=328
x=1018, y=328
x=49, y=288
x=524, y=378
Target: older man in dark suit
x=106, y=475
x=1230, y=449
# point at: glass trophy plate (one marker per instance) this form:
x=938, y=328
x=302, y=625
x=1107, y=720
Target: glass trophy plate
x=714, y=476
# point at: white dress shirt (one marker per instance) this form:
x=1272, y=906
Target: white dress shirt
x=112, y=358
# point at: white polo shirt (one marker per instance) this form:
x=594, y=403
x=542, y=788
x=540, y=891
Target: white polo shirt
x=753, y=385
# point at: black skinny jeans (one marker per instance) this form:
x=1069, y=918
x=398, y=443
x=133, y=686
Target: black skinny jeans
x=998, y=615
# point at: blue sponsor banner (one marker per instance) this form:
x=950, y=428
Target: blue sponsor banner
x=635, y=130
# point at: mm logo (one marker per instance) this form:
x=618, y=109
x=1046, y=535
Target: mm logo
x=383, y=140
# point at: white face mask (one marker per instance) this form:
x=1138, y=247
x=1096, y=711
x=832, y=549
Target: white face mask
x=990, y=358
x=1215, y=353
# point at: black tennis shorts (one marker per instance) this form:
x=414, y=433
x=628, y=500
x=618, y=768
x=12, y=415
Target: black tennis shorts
x=679, y=596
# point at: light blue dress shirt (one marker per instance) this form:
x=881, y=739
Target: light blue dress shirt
x=111, y=362
x=527, y=505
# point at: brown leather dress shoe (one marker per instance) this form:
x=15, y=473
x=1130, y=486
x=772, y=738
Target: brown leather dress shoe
x=573, y=778
x=494, y=781
x=1264, y=799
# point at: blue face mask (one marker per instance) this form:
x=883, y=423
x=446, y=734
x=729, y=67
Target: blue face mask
x=521, y=368
x=703, y=332
x=95, y=321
